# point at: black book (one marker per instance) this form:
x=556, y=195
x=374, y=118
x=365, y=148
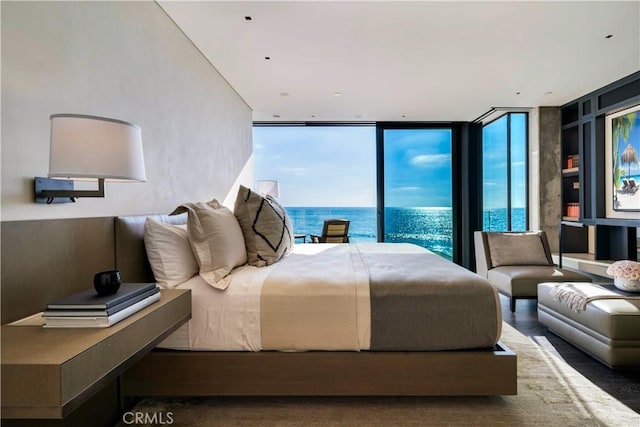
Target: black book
x=100, y=321
x=75, y=312
x=90, y=300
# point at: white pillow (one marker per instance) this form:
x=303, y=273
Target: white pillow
x=216, y=239
x=169, y=253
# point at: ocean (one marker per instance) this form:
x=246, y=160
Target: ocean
x=431, y=227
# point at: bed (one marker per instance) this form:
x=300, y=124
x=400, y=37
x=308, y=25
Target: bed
x=369, y=338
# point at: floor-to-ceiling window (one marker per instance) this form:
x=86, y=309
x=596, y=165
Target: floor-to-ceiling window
x=504, y=164
x=395, y=182
x=323, y=172
x=418, y=188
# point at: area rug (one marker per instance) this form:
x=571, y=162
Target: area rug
x=550, y=393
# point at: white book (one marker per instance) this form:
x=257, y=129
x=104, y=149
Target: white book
x=100, y=321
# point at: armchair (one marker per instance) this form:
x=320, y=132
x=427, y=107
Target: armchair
x=516, y=262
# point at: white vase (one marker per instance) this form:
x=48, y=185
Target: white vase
x=628, y=285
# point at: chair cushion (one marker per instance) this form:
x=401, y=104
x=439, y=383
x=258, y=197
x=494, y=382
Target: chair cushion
x=522, y=281
x=517, y=249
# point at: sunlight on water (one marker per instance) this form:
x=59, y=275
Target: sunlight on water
x=431, y=228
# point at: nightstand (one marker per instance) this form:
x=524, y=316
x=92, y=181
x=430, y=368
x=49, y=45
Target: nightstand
x=47, y=373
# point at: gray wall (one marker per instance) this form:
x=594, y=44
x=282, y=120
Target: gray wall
x=125, y=60
x=549, y=173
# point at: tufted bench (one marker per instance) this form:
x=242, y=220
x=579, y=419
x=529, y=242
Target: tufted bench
x=607, y=329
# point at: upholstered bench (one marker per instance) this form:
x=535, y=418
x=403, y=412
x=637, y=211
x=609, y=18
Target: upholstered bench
x=607, y=329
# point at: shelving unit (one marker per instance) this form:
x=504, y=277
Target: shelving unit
x=593, y=235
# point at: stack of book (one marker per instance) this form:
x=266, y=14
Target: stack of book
x=87, y=309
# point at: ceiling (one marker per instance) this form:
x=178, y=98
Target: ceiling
x=410, y=61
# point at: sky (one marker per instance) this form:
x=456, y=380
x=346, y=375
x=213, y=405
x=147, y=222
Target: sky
x=332, y=166
x=335, y=166
x=494, y=170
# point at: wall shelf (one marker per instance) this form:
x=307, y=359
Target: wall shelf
x=582, y=177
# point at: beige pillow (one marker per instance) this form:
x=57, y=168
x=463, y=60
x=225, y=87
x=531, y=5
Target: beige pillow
x=516, y=249
x=267, y=229
x=169, y=253
x=216, y=239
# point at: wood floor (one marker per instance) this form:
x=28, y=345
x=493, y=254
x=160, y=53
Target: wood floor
x=624, y=385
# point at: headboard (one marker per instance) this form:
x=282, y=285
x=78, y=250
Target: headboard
x=43, y=260
x=130, y=254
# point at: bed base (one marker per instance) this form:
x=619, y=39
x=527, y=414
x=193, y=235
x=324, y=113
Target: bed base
x=318, y=373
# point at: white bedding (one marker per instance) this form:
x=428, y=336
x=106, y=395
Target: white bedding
x=230, y=320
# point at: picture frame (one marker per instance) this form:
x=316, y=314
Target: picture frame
x=622, y=163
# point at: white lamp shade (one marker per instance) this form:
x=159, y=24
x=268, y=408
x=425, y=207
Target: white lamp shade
x=95, y=147
x=269, y=187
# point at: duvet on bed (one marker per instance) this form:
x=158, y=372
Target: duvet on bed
x=368, y=296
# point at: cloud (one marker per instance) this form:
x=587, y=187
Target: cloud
x=299, y=171
x=407, y=189
x=426, y=160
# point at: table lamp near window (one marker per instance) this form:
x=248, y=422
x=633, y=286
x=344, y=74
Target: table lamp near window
x=268, y=187
x=90, y=148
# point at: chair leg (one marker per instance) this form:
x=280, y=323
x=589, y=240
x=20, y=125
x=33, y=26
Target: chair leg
x=512, y=304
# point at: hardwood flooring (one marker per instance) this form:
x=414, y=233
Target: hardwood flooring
x=624, y=385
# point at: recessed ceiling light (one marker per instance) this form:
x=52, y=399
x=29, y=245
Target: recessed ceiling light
x=284, y=93
x=608, y=36
x=517, y=93
x=276, y=116
x=548, y=93
x=404, y=117
x=337, y=94
x=312, y=116
x=248, y=18
x=267, y=58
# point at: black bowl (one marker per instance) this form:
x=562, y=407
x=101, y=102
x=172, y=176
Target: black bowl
x=107, y=282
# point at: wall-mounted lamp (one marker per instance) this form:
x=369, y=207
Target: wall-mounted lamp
x=268, y=187
x=89, y=148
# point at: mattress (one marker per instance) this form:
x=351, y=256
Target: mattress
x=366, y=296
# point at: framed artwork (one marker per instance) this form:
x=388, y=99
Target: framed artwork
x=622, y=157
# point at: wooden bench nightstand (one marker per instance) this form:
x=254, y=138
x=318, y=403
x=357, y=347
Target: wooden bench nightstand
x=47, y=373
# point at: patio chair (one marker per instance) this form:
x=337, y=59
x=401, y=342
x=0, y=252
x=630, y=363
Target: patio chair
x=333, y=231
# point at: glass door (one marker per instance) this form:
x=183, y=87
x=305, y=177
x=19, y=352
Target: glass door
x=417, y=188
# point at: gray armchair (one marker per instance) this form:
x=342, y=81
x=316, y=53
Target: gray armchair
x=515, y=262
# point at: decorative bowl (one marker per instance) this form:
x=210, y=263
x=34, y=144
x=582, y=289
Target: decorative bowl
x=624, y=284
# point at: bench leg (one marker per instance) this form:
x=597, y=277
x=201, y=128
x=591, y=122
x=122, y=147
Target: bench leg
x=512, y=304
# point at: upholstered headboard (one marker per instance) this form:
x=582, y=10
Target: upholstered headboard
x=130, y=254
x=43, y=260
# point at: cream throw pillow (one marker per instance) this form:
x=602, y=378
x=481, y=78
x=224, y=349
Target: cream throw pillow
x=169, y=253
x=216, y=239
x=516, y=249
x=267, y=229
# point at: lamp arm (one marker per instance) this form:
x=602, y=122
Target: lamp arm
x=73, y=194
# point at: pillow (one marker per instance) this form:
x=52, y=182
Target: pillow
x=267, y=230
x=169, y=253
x=216, y=239
x=517, y=249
